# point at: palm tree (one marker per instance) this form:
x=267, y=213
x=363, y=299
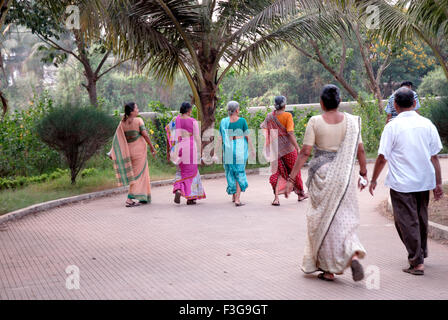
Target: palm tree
x=426, y=19
x=205, y=39
x=4, y=7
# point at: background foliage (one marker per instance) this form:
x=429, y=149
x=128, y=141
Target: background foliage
x=21, y=153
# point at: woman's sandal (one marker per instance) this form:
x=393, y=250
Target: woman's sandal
x=239, y=204
x=177, y=197
x=357, y=270
x=321, y=276
x=133, y=204
x=275, y=203
x=190, y=202
x=302, y=197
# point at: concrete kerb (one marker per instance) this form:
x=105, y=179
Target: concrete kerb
x=14, y=215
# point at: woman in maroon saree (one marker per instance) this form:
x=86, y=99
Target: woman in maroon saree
x=281, y=149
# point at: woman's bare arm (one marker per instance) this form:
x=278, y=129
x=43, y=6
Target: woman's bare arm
x=292, y=139
x=148, y=141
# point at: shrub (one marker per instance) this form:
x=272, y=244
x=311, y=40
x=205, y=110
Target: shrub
x=77, y=133
x=439, y=116
x=301, y=118
x=372, y=123
x=89, y=172
x=433, y=83
x=156, y=127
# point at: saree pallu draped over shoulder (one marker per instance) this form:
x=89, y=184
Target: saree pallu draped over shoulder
x=235, y=155
x=130, y=160
x=333, y=216
x=183, y=152
x=281, y=154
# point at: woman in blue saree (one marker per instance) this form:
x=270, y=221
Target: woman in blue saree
x=235, y=140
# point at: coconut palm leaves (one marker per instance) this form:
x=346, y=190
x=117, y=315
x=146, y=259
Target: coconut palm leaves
x=205, y=39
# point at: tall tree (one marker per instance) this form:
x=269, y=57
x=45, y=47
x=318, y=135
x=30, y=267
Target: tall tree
x=406, y=19
x=205, y=39
x=313, y=50
x=48, y=23
x=354, y=31
x=4, y=8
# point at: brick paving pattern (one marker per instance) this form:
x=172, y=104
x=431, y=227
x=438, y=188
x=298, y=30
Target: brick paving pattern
x=209, y=251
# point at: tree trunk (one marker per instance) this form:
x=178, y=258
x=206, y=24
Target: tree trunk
x=373, y=84
x=90, y=75
x=4, y=102
x=91, y=89
x=4, y=7
x=208, y=91
x=208, y=108
x=73, y=178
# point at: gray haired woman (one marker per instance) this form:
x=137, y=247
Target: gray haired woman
x=235, y=139
x=282, y=149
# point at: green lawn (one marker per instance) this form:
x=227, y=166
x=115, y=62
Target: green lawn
x=102, y=179
x=11, y=200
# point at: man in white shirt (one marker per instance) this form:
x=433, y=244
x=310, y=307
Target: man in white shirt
x=410, y=145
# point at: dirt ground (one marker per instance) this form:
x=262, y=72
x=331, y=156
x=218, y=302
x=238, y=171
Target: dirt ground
x=438, y=211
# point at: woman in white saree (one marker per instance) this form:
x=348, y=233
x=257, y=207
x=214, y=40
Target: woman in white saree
x=332, y=244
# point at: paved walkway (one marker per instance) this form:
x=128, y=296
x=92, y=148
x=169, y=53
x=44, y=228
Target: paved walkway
x=209, y=251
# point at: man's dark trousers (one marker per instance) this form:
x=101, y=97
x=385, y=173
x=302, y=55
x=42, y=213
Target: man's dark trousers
x=411, y=221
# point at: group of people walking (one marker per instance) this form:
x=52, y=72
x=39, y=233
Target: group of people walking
x=409, y=144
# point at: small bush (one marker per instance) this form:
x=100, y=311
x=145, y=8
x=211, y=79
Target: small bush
x=301, y=118
x=24, y=181
x=439, y=116
x=156, y=128
x=372, y=123
x=77, y=133
x=89, y=172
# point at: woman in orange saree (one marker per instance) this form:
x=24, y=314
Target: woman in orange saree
x=130, y=156
x=281, y=149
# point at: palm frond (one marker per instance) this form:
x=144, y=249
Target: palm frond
x=405, y=18
x=136, y=33
x=252, y=54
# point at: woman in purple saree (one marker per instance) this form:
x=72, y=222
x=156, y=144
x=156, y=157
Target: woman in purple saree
x=183, y=138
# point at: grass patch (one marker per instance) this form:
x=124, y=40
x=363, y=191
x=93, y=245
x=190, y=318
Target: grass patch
x=14, y=199
x=103, y=178
x=11, y=200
